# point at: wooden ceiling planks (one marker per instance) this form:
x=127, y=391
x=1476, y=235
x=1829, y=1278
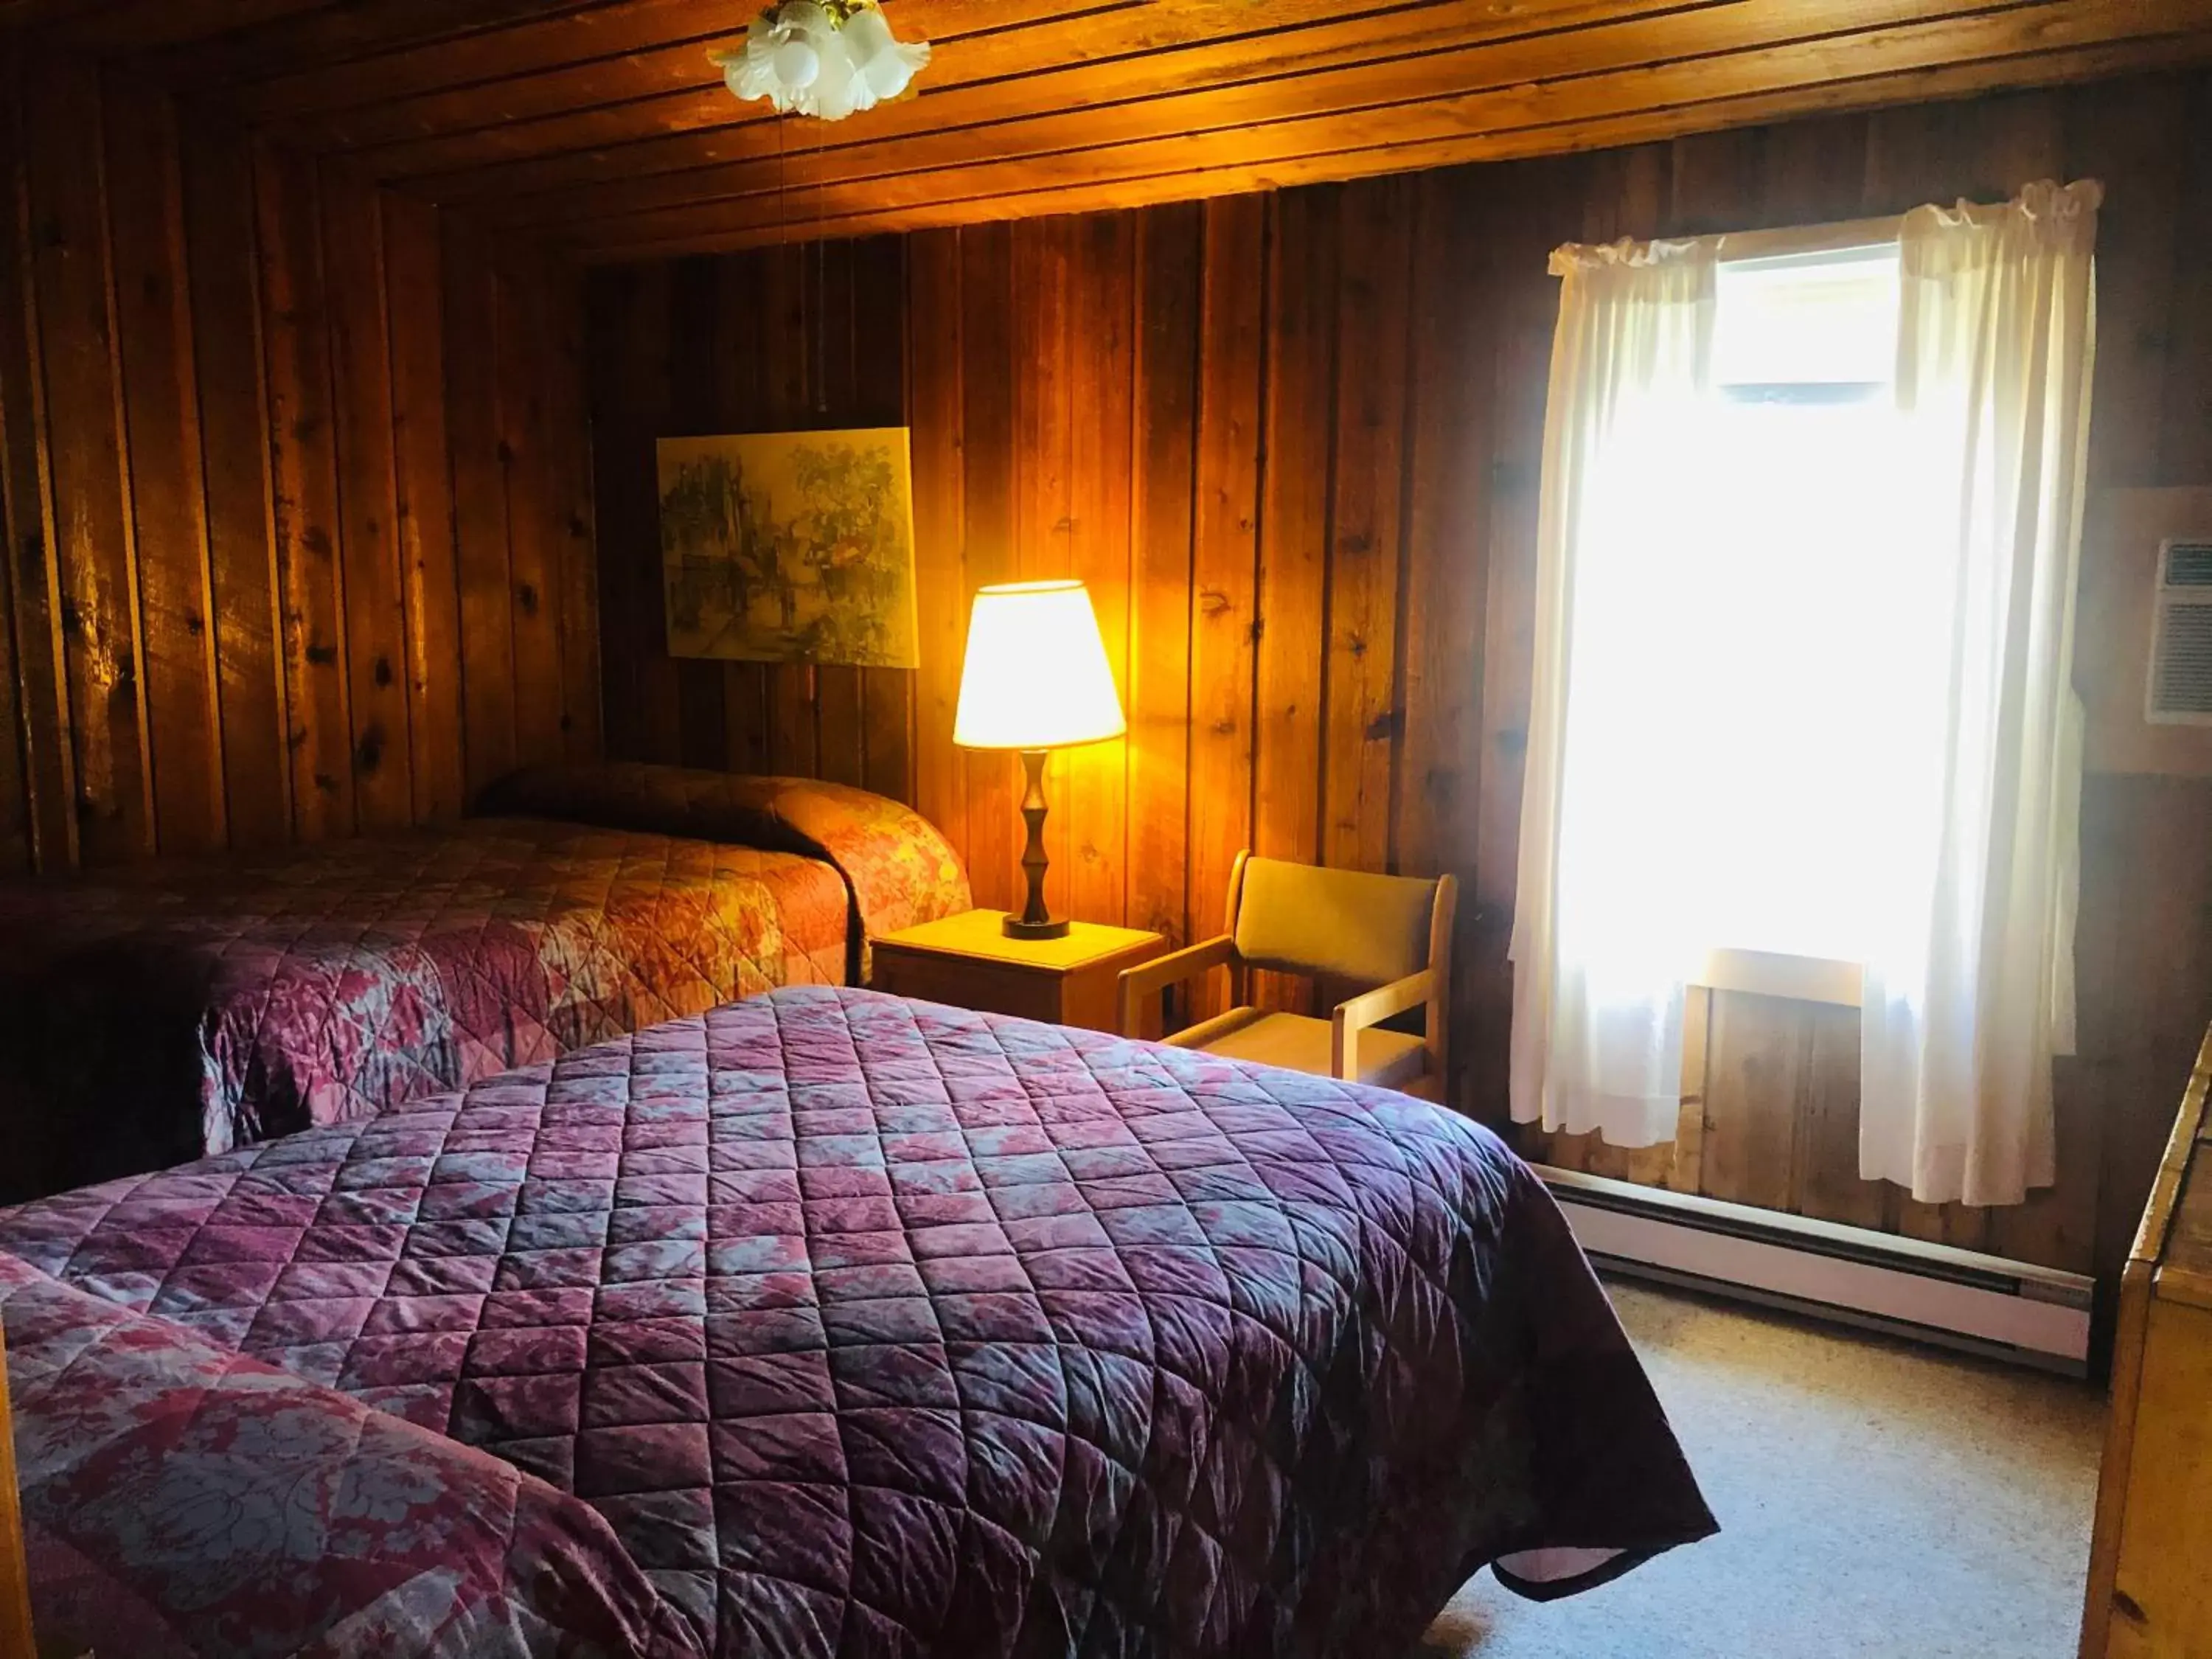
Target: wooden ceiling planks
x=603, y=51
x=1353, y=124
x=1076, y=125
x=145, y=26
x=1044, y=70
x=643, y=94
x=226, y=43
x=602, y=124
x=810, y=220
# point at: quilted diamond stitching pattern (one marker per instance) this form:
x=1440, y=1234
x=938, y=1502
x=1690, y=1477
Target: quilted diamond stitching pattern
x=322, y=1508
x=870, y=1326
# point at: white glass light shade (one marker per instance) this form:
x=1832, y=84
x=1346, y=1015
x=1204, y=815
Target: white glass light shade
x=835, y=83
x=797, y=63
x=866, y=34
x=802, y=60
x=1035, y=675
x=886, y=66
x=804, y=18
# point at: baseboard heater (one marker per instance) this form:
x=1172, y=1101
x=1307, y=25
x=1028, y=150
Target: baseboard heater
x=1933, y=1293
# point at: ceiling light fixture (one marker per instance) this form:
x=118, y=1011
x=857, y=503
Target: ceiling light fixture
x=826, y=59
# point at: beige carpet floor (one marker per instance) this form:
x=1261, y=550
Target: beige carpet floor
x=1877, y=1500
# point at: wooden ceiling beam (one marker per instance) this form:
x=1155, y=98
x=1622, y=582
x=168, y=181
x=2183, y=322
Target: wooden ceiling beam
x=1170, y=98
x=2006, y=48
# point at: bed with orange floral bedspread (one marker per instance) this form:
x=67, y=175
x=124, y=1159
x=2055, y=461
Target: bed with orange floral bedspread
x=165, y=1012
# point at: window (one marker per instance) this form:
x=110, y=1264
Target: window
x=1802, y=650
x=1746, y=658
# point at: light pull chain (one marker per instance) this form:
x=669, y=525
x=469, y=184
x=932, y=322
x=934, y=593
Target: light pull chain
x=820, y=295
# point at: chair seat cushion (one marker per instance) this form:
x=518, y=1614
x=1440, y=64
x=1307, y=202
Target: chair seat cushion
x=1389, y=1060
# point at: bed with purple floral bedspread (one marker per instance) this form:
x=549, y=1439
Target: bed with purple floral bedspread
x=156, y=1014
x=870, y=1328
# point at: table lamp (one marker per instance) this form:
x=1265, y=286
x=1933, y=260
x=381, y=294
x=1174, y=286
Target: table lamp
x=1035, y=679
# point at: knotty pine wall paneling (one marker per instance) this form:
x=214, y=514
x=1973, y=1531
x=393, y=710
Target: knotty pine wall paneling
x=703, y=346
x=1293, y=443
x=1233, y=302
x=295, y=481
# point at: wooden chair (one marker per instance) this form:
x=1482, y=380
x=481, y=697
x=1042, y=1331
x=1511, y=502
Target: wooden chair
x=1392, y=934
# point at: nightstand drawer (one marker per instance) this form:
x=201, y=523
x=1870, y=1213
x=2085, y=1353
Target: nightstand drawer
x=989, y=986
x=967, y=962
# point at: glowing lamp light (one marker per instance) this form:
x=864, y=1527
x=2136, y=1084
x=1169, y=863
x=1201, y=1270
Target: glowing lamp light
x=1036, y=675
x=1035, y=678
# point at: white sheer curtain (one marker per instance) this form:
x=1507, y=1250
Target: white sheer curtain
x=1970, y=985
x=1598, y=970
x=1802, y=679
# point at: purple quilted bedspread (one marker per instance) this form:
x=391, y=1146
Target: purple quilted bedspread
x=154, y=1015
x=182, y=1500
x=871, y=1327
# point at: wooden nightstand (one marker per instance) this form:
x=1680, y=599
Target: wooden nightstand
x=968, y=962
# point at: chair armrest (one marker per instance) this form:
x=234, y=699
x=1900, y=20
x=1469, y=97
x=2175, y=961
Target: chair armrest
x=1355, y=1014
x=1149, y=979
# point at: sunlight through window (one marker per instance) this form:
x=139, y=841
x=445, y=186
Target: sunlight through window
x=1752, y=646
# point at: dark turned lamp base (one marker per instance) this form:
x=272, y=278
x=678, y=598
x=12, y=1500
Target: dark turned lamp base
x=1035, y=921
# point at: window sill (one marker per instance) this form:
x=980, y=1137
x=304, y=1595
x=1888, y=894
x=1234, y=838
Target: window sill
x=1769, y=974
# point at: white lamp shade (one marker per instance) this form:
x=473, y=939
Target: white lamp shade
x=1036, y=675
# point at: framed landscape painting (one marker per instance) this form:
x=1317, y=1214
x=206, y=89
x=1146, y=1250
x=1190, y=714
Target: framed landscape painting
x=790, y=547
